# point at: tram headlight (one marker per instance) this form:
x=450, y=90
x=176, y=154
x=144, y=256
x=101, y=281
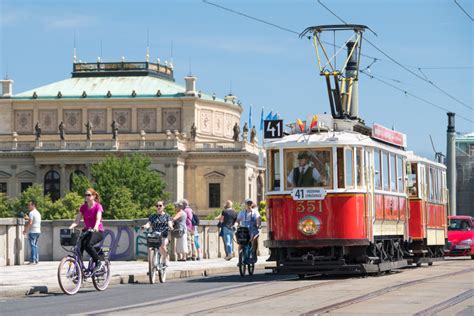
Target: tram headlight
x=309, y=225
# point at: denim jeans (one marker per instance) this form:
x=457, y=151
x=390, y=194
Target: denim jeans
x=227, y=235
x=33, y=237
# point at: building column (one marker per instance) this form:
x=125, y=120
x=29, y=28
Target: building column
x=63, y=180
x=179, y=166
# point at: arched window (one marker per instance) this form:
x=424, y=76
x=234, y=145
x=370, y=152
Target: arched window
x=52, y=184
x=71, y=177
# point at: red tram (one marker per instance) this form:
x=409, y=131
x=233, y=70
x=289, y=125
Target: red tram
x=346, y=198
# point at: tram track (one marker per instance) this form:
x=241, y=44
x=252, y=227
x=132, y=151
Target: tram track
x=377, y=293
x=433, y=310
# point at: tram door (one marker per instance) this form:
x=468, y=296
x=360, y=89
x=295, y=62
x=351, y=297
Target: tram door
x=369, y=182
x=423, y=189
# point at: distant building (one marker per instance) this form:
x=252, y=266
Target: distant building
x=465, y=174
x=188, y=134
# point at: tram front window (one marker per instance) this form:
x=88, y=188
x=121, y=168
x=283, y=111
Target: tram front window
x=308, y=168
x=412, y=179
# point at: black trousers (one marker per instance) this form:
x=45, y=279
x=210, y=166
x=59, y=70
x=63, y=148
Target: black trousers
x=88, y=243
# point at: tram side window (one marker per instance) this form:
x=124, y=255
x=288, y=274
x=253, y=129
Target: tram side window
x=348, y=163
x=400, y=174
x=308, y=168
x=385, y=176
x=430, y=184
x=412, y=179
x=274, y=168
x=377, y=173
x=393, y=180
x=359, y=167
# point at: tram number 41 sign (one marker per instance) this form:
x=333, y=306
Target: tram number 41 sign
x=308, y=194
x=272, y=129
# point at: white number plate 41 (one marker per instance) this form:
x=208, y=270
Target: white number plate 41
x=308, y=194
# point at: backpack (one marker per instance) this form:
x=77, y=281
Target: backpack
x=195, y=220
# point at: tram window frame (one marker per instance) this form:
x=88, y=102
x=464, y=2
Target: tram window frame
x=430, y=192
x=289, y=155
x=385, y=171
x=348, y=168
x=393, y=172
x=377, y=170
x=359, y=167
x=274, y=176
x=413, y=179
x=400, y=176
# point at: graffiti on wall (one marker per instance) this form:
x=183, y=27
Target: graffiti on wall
x=141, y=250
x=125, y=242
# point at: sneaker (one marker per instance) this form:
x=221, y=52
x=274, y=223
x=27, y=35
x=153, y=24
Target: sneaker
x=198, y=258
x=97, y=267
x=228, y=257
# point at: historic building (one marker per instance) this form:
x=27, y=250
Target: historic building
x=49, y=133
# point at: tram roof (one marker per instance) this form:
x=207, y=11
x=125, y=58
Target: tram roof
x=326, y=139
x=415, y=158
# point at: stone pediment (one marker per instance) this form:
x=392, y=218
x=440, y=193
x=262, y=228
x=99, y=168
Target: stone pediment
x=26, y=174
x=214, y=175
x=4, y=174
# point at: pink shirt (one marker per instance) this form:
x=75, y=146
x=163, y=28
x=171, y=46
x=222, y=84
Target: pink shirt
x=189, y=217
x=90, y=215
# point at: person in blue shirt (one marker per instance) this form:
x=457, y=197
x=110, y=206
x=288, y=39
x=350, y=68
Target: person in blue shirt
x=250, y=218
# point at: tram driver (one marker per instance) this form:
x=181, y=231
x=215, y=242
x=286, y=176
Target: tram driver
x=304, y=175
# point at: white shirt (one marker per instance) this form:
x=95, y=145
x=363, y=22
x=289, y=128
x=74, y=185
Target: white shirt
x=316, y=175
x=35, y=218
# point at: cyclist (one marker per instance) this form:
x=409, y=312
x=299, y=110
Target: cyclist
x=161, y=222
x=91, y=211
x=250, y=218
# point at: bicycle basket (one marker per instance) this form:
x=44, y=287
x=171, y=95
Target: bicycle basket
x=154, y=240
x=67, y=237
x=242, y=235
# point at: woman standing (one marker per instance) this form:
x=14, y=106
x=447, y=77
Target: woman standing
x=180, y=230
x=91, y=211
x=227, y=221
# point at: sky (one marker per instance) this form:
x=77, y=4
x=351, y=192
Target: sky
x=262, y=65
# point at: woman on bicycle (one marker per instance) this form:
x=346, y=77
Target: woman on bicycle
x=250, y=218
x=91, y=211
x=160, y=222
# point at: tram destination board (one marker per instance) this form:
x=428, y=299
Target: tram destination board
x=301, y=194
x=272, y=129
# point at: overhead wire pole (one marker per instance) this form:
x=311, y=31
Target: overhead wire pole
x=401, y=65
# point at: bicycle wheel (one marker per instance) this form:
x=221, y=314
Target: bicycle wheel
x=242, y=265
x=101, y=278
x=161, y=270
x=251, y=268
x=69, y=276
x=152, y=254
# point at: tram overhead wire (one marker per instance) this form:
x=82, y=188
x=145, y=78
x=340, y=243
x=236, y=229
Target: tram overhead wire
x=401, y=65
x=374, y=59
x=371, y=76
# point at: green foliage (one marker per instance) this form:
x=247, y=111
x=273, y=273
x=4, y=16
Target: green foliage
x=128, y=187
x=212, y=216
x=65, y=208
x=262, y=209
x=5, y=207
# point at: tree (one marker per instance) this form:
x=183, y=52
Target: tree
x=127, y=185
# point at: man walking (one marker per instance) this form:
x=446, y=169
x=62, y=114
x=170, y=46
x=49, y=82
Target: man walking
x=190, y=227
x=33, y=228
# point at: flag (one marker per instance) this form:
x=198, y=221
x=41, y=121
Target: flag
x=269, y=116
x=276, y=116
x=250, y=117
x=261, y=120
x=314, y=121
x=301, y=125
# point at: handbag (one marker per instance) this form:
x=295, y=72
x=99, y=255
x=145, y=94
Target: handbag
x=177, y=232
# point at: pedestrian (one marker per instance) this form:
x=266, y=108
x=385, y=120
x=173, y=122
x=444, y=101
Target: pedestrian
x=227, y=222
x=197, y=244
x=250, y=218
x=190, y=230
x=160, y=222
x=180, y=231
x=33, y=228
x=91, y=211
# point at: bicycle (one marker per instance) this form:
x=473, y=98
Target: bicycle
x=154, y=241
x=246, y=260
x=72, y=271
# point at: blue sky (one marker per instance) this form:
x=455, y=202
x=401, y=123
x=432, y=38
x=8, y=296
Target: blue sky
x=265, y=66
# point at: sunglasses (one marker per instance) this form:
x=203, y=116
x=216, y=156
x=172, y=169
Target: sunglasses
x=159, y=205
x=87, y=194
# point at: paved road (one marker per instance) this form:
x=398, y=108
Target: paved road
x=446, y=288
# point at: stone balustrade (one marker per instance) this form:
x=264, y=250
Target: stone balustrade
x=124, y=237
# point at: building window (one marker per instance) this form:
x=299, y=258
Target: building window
x=3, y=188
x=52, y=185
x=214, y=195
x=25, y=185
x=71, y=177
